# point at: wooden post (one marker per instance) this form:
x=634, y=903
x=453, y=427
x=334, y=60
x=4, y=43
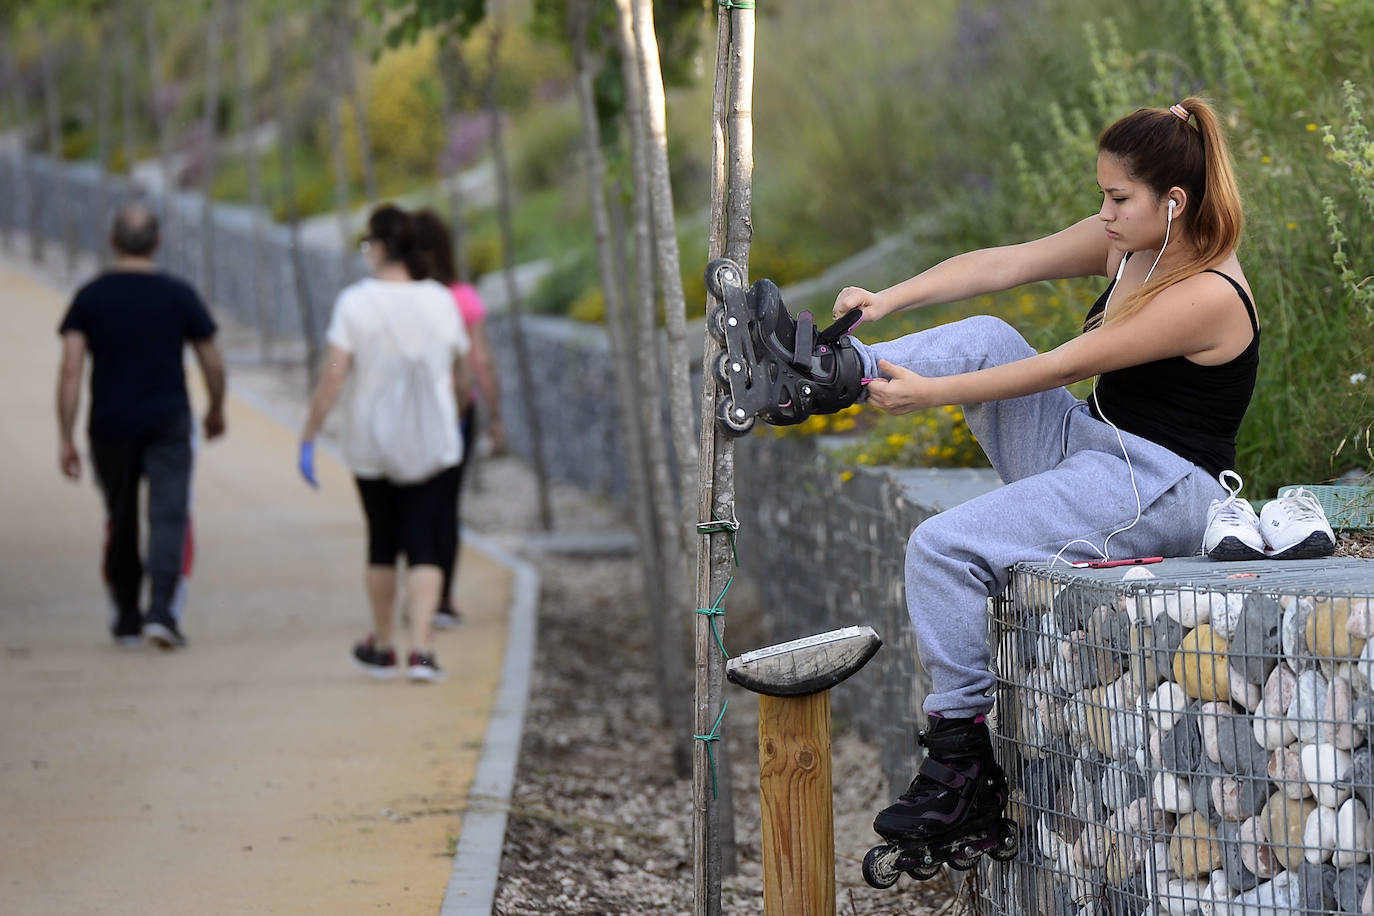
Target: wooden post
x=793, y=681
x=795, y=804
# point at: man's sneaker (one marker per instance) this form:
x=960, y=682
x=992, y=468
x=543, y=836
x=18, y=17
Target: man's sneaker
x=376, y=662
x=163, y=632
x=127, y=640
x=447, y=618
x=423, y=667
x=127, y=632
x=1295, y=527
x=1233, y=529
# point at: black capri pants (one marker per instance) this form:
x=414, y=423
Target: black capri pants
x=409, y=518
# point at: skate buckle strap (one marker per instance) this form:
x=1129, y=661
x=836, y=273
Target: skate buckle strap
x=804, y=343
x=934, y=769
x=841, y=326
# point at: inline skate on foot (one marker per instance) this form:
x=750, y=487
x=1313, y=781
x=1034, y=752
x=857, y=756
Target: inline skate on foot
x=952, y=811
x=775, y=366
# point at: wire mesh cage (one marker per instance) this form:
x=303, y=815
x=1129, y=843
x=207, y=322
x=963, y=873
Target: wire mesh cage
x=1191, y=738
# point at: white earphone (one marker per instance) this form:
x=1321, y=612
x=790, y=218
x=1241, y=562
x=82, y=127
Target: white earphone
x=1172, y=203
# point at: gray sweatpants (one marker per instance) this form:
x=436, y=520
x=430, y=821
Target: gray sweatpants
x=1066, y=478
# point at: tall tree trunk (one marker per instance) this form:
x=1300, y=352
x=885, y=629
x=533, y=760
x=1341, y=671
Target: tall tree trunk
x=354, y=89
x=128, y=122
x=102, y=133
x=504, y=206
x=452, y=177
x=671, y=669
x=630, y=410
x=334, y=82
x=18, y=185
x=162, y=122
x=32, y=214
x=669, y=262
x=729, y=233
x=214, y=40
x=52, y=108
x=248, y=125
x=286, y=127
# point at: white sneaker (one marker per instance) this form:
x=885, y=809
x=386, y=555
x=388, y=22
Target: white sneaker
x=1233, y=529
x=1295, y=527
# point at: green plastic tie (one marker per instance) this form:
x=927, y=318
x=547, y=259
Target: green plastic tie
x=735, y=4
x=710, y=753
x=729, y=526
x=714, y=611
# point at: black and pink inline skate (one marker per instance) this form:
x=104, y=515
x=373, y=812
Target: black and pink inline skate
x=774, y=366
x=952, y=812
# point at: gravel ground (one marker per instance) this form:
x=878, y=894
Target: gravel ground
x=598, y=823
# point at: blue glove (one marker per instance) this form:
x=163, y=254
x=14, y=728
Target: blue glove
x=306, y=463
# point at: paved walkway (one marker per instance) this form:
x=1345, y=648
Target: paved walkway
x=257, y=771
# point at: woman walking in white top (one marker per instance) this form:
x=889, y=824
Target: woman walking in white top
x=396, y=358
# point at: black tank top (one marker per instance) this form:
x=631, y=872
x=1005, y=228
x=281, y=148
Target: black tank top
x=1190, y=409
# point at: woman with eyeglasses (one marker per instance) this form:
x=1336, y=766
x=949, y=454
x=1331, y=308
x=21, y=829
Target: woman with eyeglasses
x=396, y=334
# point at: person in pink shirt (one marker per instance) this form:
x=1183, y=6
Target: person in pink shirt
x=436, y=242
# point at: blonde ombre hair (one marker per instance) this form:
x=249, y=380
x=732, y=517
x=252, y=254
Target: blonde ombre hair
x=1162, y=150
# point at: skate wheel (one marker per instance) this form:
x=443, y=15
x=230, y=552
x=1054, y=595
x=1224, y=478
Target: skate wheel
x=734, y=421
x=722, y=271
x=715, y=324
x=924, y=874
x=725, y=369
x=1007, y=847
x=880, y=867
x=964, y=860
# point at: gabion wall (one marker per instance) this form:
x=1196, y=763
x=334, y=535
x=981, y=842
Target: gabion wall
x=1189, y=738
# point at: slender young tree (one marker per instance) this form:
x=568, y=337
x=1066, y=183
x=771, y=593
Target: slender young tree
x=349, y=29
x=666, y=505
x=286, y=141
x=669, y=263
x=729, y=233
x=103, y=78
x=450, y=172
x=504, y=208
x=248, y=125
x=52, y=109
x=128, y=86
x=214, y=40
x=629, y=407
x=14, y=99
x=334, y=78
x=161, y=111
x=33, y=214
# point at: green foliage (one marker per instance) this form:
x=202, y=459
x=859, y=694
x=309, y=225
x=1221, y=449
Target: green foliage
x=1029, y=125
x=547, y=150
x=406, y=21
x=936, y=438
x=403, y=114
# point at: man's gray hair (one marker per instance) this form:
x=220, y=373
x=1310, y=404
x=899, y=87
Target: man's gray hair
x=135, y=230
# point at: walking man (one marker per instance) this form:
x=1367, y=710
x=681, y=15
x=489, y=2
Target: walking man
x=135, y=320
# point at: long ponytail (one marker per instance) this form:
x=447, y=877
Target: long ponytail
x=1162, y=150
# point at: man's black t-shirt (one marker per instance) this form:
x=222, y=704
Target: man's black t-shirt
x=136, y=325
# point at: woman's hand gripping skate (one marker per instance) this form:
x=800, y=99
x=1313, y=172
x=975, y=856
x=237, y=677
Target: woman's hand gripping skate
x=854, y=297
x=902, y=391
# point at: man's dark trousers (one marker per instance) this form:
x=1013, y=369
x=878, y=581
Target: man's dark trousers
x=164, y=456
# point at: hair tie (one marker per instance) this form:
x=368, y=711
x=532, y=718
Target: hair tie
x=1179, y=112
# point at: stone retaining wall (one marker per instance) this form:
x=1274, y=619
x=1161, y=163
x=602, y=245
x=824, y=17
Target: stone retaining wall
x=1191, y=737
